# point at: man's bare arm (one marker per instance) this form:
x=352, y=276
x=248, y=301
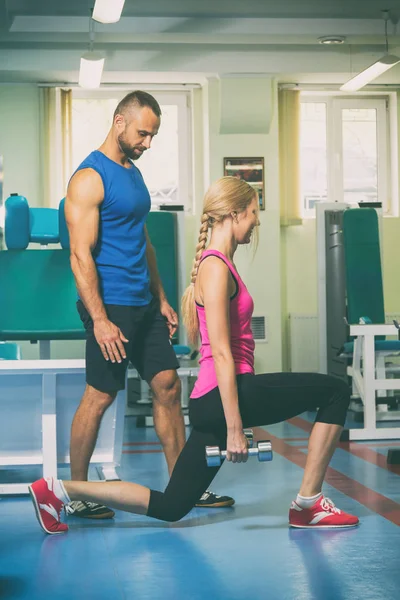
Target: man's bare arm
x=84, y=196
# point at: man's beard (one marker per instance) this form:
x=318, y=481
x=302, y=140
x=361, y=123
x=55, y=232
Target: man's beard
x=128, y=150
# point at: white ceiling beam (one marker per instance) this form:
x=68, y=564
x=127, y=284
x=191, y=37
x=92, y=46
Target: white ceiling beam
x=64, y=39
x=205, y=26
x=301, y=60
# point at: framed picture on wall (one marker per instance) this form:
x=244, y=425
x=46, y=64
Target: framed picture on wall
x=249, y=169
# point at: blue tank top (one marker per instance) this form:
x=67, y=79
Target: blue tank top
x=120, y=252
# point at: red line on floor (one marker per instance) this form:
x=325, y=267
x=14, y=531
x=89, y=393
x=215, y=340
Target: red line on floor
x=378, y=503
x=369, y=455
x=141, y=444
x=388, y=444
x=142, y=451
x=361, y=450
x=301, y=423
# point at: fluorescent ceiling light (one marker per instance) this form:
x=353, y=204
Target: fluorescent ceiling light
x=381, y=66
x=91, y=70
x=108, y=11
x=332, y=39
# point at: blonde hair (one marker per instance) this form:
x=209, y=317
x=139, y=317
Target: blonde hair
x=224, y=196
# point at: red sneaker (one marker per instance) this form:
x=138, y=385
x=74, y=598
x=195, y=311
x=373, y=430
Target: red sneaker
x=47, y=506
x=322, y=514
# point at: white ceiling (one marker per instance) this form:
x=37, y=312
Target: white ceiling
x=42, y=40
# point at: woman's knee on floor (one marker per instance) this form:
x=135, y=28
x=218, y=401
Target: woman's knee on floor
x=172, y=514
x=165, y=509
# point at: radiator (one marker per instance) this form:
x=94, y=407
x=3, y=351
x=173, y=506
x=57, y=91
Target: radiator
x=303, y=343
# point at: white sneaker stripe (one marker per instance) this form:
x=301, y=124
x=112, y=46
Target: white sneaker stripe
x=319, y=516
x=49, y=509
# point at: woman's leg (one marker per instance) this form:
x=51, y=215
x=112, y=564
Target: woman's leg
x=267, y=399
x=275, y=397
x=321, y=446
x=123, y=495
x=264, y=399
x=189, y=480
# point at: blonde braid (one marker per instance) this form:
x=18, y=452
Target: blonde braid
x=189, y=311
x=203, y=235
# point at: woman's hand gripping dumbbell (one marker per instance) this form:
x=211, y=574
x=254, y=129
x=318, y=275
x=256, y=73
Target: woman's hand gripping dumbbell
x=263, y=451
x=237, y=444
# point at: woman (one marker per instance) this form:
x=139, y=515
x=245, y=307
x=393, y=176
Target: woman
x=228, y=396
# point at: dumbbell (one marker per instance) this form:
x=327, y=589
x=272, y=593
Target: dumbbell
x=250, y=437
x=215, y=456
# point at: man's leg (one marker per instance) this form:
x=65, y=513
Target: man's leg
x=167, y=415
x=85, y=429
x=84, y=432
x=100, y=375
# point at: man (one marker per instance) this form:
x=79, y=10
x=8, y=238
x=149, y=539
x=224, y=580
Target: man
x=121, y=299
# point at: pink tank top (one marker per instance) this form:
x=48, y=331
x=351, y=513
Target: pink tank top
x=242, y=341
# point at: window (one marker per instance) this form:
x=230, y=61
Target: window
x=344, y=151
x=166, y=167
x=313, y=154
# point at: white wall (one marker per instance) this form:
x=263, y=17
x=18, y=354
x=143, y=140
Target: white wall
x=19, y=141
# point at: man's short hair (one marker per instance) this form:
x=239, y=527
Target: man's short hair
x=137, y=98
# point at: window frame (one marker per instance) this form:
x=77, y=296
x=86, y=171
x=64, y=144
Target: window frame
x=386, y=168
x=181, y=99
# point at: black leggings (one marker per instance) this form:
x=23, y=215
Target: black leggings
x=263, y=400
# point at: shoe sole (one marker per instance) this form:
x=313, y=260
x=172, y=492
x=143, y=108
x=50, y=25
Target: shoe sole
x=38, y=515
x=323, y=526
x=224, y=504
x=93, y=517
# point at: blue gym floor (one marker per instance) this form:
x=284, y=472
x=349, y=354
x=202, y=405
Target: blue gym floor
x=245, y=552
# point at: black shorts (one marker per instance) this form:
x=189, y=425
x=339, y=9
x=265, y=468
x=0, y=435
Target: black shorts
x=149, y=348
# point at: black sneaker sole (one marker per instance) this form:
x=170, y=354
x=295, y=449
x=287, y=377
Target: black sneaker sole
x=108, y=515
x=223, y=504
